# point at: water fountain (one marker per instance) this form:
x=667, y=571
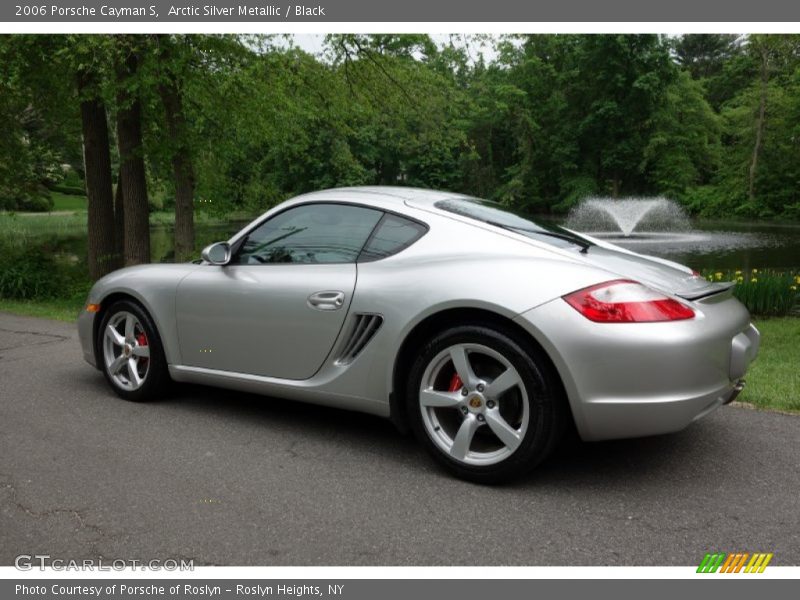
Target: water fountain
x=628, y=215
x=659, y=226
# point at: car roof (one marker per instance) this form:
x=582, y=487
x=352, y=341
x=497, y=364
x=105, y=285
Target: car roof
x=381, y=193
x=404, y=200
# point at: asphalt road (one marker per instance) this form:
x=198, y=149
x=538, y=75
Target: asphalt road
x=234, y=479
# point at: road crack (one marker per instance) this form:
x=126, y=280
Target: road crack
x=76, y=514
x=55, y=338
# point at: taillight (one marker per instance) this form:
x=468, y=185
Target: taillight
x=624, y=301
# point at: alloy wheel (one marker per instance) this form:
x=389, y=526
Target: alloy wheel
x=126, y=351
x=474, y=404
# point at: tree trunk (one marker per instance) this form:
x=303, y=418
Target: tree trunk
x=132, y=174
x=760, y=124
x=119, y=220
x=97, y=165
x=182, y=168
x=615, y=185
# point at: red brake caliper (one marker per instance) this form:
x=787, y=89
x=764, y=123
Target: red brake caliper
x=141, y=339
x=455, y=383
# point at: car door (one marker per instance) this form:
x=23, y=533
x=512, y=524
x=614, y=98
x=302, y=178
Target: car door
x=277, y=308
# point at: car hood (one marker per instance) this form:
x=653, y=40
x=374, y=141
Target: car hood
x=658, y=273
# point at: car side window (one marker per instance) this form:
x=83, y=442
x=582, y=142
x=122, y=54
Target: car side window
x=310, y=234
x=393, y=234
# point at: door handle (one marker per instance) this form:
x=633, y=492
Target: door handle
x=330, y=300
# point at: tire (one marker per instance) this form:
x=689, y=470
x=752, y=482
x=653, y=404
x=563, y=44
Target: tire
x=496, y=415
x=133, y=344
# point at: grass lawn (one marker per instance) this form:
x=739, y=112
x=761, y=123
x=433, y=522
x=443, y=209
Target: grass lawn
x=69, y=215
x=62, y=202
x=22, y=227
x=60, y=310
x=773, y=381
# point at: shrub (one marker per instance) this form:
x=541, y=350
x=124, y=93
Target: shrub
x=159, y=198
x=73, y=179
x=33, y=203
x=35, y=273
x=36, y=204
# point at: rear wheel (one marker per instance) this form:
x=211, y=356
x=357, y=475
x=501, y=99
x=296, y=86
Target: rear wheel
x=485, y=403
x=131, y=353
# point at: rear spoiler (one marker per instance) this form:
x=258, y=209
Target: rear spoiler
x=712, y=289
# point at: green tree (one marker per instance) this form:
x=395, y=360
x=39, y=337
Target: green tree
x=617, y=85
x=705, y=55
x=761, y=170
x=683, y=151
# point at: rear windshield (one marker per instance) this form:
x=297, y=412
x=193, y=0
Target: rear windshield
x=511, y=219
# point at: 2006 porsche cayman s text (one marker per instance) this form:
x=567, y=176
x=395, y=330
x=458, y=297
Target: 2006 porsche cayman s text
x=481, y=330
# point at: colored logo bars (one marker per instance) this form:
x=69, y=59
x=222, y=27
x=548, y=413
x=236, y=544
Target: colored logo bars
x=735, y=562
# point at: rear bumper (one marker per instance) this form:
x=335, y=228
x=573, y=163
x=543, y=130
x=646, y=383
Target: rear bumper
x=634, y=380
x=609, y=419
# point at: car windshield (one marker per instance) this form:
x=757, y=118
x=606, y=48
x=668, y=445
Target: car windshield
x=498, y=215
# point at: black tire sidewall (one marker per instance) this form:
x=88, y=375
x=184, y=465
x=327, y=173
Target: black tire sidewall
x=544, y=402
x=157, y=379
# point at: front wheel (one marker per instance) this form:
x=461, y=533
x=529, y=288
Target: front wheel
x=485, y=403
x=131, y=353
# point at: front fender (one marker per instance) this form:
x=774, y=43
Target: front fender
x=152, y=286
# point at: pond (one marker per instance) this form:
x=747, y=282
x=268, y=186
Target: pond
x=722, y=246
x=162, y=239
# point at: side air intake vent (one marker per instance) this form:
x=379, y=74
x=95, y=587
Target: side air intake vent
x=361, y=332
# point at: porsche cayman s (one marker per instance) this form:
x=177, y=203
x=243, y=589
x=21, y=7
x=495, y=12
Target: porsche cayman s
x=481, y=330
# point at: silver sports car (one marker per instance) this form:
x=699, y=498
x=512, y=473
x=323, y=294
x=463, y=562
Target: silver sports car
x=483, y=331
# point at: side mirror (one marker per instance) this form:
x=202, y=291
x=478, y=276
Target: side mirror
x=218, y=253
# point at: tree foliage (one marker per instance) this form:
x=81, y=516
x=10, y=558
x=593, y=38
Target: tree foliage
x=242, y=122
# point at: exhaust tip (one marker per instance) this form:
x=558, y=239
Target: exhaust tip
x=737, y=389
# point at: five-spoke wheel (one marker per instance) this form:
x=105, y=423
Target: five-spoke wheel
x=126, y=351
x=484, y=402
x=130, y=352
x=474, y=404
